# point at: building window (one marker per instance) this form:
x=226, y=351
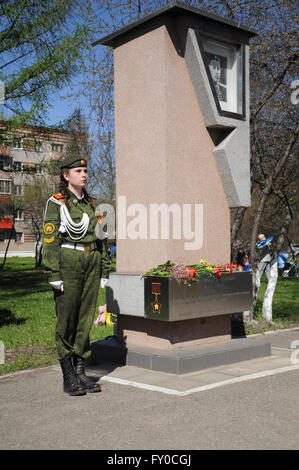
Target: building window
x=57, y=148
x=18, y=143
x=19, y=214
x=5, y=187
x=18, y=166
x=4, y=211
x=18, y=189
x=38, y=146
x=19, y=237
x=39, y=169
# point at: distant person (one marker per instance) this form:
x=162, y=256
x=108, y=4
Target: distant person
x=282, y=259
x=246, y=264
x=109, y=254
x=113, y=250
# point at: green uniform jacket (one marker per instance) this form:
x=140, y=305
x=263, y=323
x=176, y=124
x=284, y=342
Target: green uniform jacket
x=52, y=238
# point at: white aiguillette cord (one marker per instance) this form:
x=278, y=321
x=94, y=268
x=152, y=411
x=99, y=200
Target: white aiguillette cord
x=66, y=222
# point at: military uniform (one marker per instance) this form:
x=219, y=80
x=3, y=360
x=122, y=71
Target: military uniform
x=73, y=255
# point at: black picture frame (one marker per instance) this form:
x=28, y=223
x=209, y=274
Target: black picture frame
x=240, y=74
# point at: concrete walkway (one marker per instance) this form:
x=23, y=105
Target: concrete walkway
x=21, y=254
x=22, y=250
x=247, y=405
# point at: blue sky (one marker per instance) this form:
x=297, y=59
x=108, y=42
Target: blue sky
x=62, y=107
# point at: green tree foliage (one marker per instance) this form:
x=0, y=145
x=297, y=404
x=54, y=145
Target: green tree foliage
x=41, y=46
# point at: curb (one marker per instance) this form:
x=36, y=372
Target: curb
x=25, y=371
x=270, y=332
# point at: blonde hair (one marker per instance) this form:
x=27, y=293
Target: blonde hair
x=261, y=236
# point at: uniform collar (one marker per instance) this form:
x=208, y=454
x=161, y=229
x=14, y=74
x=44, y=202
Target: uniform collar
x=74, y=198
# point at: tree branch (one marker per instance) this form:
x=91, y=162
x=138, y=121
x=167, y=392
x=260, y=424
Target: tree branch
x=278, y=81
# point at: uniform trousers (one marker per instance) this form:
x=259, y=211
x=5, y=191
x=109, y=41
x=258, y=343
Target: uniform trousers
x=76, y=305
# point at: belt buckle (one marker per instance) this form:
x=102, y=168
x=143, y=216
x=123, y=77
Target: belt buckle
x=88, y=247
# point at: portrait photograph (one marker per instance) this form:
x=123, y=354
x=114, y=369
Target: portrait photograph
x=218, y=71
x=223, y=63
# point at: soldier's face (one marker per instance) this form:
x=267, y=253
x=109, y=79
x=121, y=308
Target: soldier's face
x=214, y=66
x=76, y=177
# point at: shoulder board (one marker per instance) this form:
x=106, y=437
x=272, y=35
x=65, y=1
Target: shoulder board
x=58, y=196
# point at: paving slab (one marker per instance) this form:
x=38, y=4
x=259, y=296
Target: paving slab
x=280, y=338
x=212, y=409
x=138, y=376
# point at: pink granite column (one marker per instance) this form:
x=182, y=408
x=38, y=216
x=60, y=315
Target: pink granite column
x=164, y=155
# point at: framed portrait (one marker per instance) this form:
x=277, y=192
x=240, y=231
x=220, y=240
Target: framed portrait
x=224, y=65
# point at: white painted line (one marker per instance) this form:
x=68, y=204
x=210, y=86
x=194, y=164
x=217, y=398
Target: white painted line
x=257, y=375
x=154, y=388
x=282, y=349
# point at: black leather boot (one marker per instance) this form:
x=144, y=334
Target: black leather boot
x=89, y=385
x=71, y=384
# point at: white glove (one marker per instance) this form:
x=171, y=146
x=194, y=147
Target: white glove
x=104, y=282
x=57, y=285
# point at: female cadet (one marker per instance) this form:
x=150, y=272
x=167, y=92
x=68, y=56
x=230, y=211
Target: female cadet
x=75, y=261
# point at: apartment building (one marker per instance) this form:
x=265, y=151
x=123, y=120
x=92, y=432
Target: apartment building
x=22, y=162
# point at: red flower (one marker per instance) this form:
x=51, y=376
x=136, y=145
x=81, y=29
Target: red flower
x=192, y=272
x=217, y=270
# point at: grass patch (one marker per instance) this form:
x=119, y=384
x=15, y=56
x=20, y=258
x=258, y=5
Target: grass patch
x=285, y=307
x=27, y=316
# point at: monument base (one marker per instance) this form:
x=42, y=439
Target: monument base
x=178, y=347
x=179, y=361
x=138, y=331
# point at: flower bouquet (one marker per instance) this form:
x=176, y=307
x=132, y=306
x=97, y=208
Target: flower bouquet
x=187, y=274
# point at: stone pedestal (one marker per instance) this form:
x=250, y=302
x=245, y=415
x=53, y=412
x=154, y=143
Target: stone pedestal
x=179, y=361
x=141, y=332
